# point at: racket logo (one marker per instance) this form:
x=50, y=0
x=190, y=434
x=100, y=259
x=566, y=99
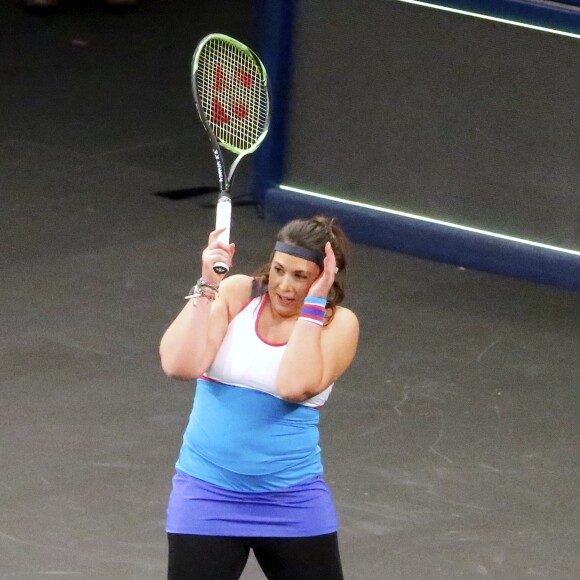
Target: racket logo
x=230, y=90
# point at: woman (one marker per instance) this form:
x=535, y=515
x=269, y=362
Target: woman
x=266, y=351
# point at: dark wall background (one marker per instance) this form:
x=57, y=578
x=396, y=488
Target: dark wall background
x=437, y=114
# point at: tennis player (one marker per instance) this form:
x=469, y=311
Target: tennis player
x=266, y=351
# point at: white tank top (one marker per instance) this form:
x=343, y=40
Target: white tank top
x=246, y=360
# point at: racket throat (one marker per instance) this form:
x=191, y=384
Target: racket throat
x=224, y=182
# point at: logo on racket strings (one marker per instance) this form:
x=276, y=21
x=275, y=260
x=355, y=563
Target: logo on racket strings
x=236, y=91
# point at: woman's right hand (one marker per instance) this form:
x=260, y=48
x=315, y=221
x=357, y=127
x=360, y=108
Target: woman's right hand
x=215, y=252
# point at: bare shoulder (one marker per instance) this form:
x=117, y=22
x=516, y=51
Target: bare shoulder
x=238, y=283
x=345, y=320
x=235, y=292
x=343, y=328
x=340, y=342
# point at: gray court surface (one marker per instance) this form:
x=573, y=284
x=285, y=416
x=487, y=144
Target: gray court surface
x=451, y=445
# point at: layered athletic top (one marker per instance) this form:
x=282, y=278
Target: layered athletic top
x=241, y=434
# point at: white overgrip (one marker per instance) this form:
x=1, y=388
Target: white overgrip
x=223, y=218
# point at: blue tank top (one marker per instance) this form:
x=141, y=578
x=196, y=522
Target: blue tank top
x=242, y=436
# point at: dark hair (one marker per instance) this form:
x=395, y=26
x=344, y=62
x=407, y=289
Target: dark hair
x=313, y=233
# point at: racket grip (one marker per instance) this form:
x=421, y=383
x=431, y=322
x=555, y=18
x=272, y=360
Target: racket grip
x=223, y=219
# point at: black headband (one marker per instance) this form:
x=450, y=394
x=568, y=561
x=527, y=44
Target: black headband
x=307, y=254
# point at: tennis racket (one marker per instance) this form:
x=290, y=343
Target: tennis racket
x=232, y=96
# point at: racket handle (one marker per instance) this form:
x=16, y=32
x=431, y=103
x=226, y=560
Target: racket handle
x=223, y=219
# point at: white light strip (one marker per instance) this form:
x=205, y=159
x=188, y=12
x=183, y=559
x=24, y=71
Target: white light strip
x=492, y=18
x=430, y=220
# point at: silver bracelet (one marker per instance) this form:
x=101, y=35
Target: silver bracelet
x=200, y=290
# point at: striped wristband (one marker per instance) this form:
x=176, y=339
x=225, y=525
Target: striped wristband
x=313, y=310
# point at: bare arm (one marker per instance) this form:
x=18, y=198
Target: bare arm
x=316, y=356
x=190, y=344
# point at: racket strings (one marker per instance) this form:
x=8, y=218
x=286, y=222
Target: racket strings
x=233, y=94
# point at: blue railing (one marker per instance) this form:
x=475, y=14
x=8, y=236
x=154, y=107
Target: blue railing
x=416, y=237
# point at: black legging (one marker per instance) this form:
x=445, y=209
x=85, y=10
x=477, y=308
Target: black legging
x=194, y=557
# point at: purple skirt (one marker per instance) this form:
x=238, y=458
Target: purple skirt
x=302, y=510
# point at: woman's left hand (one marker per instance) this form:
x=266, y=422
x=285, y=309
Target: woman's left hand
x=322, y=285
